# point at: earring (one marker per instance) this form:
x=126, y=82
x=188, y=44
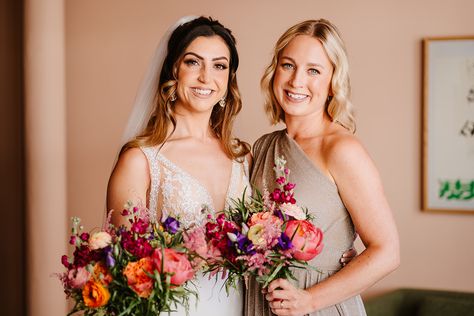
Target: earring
x=222, y=102
x=173, y=97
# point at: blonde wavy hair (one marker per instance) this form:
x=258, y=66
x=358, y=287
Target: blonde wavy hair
x=221, y=121
x=339, y=106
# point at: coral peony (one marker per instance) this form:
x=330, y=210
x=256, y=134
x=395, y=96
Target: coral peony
x=95, y=294
x=306, y=239
x=175, y=263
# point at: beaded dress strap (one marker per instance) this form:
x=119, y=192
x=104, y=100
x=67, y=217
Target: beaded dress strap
x=151, y=154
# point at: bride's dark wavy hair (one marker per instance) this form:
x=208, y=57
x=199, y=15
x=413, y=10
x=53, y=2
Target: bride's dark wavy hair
x=222, y=118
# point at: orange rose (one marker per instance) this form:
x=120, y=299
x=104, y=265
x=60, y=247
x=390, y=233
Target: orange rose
x=101, y=274
x=137, y=279
x=95, y=294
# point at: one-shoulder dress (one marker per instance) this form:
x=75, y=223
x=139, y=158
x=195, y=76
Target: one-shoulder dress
x=320, y=195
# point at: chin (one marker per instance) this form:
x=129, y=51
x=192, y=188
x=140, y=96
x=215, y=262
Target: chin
x=295, y=110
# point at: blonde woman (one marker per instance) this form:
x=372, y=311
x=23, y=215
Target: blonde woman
x=307, y=88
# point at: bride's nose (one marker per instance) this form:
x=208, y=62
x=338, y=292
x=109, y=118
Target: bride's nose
x=204, y=74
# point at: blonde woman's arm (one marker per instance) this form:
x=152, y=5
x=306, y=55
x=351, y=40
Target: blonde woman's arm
x=361, y=190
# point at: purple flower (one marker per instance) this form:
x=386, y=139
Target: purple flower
x=171, y=225
x=279, y=214
x=244, y=244
x=284, y=242
x=289, y=186
x=109, y=258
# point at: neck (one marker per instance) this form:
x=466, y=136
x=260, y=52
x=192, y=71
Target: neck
x=193, y=125
x=314, y=124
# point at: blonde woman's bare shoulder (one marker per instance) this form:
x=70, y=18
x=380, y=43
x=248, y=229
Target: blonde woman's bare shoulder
x=343, y=147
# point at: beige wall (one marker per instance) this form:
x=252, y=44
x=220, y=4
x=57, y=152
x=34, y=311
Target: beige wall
x=45, y=138
x=109, y=43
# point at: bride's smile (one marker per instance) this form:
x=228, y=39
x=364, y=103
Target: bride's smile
x=203, y=75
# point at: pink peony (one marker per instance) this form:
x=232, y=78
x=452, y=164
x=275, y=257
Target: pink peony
x=175, y=263
x=306, y=239
x=195, y=240
x=99, y=240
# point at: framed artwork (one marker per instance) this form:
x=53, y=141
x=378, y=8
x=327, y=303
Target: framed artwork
x=448, y=125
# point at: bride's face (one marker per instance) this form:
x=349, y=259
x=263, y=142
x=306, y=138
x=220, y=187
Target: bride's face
x=203, y=74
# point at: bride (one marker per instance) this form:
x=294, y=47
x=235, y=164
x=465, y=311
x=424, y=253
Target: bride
x=180, y=155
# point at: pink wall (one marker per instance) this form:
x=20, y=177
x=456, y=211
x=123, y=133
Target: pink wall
x=109, y=43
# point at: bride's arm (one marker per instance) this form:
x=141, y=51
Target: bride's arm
x=129, y=181
x=361, y=191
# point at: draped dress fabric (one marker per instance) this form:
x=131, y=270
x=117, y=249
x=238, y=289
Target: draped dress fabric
x=178, y=194
x=320, y=195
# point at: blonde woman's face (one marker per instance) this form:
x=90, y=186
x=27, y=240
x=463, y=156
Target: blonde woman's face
x=302, y=78
x=203, y=74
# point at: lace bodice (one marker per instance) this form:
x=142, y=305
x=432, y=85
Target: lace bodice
x=180, y=195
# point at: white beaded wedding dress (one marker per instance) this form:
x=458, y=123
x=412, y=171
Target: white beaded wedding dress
x=176, y=193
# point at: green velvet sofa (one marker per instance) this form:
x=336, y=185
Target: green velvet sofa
x=415, y=302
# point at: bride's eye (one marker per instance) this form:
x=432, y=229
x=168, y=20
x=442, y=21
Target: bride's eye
x=191, y=62
x=221, y=66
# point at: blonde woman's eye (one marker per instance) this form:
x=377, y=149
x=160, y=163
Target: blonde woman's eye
x=287, y=66
x=221, y=66
x=313, y=71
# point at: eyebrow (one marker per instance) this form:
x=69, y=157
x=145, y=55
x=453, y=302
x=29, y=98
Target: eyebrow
x=202, y=58
x=308, y=64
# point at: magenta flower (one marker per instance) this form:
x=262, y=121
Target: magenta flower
x=84, y=236
x=289, y=186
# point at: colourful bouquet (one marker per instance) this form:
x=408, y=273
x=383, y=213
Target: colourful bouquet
x=264, y=236
x=142, y=270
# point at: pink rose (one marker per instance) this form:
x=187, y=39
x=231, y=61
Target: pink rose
x=99, y=240
x=175, y=263
x=77, y=278
x=306, y=239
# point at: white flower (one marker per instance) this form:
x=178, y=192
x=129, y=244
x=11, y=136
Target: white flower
x=293, y=210
x=99, y=240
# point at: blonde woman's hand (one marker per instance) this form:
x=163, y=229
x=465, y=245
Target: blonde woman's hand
x=285, y=299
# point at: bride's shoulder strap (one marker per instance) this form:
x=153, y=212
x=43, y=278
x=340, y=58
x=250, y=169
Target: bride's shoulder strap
x=151, y=154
